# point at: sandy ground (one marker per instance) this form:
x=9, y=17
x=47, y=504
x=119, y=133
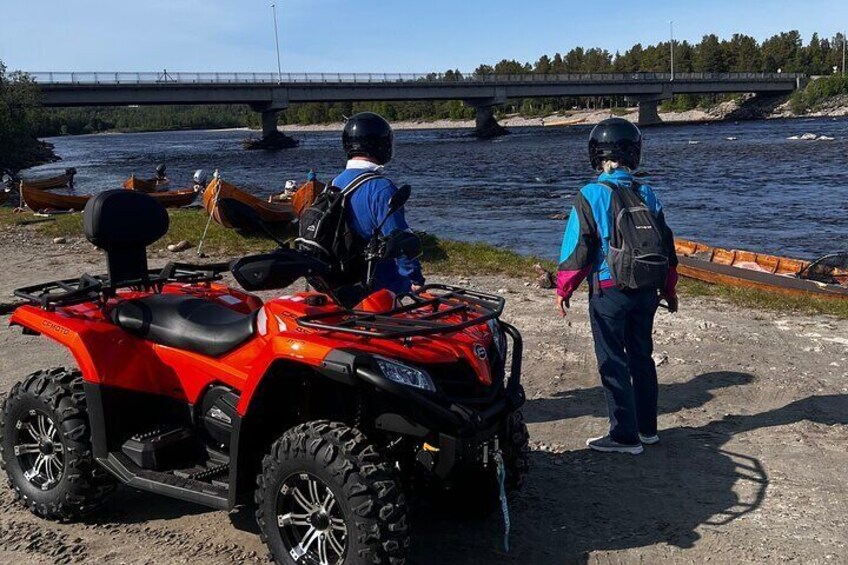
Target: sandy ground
x=751, y=468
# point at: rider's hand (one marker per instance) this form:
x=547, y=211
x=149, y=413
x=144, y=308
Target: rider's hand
x=563, y=304
x=417, y=287
x=672, y=301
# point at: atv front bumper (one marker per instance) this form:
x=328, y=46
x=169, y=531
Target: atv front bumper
x=456, y=432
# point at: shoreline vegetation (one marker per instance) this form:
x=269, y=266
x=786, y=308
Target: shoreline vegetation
x=441, y=257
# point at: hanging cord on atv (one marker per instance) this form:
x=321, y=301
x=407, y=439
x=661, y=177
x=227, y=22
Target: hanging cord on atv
x=501, y=468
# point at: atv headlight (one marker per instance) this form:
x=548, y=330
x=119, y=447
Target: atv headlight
x=405, y=375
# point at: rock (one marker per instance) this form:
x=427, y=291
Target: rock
x=503, y=290
x=544, y=279
x=660, y=359
x=58, y=240
x=179, y=246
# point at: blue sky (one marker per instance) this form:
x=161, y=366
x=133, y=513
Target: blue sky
x=367, y=35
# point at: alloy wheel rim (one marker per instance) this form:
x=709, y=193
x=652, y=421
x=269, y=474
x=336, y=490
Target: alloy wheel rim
x=311, y=521
x=40, y=450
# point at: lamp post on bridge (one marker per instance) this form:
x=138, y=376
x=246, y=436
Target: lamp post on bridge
x=277, y=43
x=671, y=44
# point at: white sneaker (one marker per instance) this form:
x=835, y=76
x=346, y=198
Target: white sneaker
x=606, y=444
x=649, y=440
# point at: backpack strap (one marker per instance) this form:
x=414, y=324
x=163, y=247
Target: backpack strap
x=358, y=181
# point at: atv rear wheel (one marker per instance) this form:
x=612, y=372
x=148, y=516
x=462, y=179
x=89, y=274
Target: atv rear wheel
x=45, y=446
x=326, y=496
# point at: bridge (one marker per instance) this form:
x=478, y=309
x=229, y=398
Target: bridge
x=270, y=93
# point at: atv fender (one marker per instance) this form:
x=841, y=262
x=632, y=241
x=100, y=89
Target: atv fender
x=63, y=330
x=335, y=364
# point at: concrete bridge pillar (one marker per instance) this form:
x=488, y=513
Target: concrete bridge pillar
x=272, y=138
x=487, y=127
x=648, y=114
x=269, y=123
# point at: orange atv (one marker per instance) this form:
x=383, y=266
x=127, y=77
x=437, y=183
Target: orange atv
x=322, y=414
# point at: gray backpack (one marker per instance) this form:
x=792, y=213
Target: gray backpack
x=638, y=256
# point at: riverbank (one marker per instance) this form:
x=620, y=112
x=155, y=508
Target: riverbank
x=572, y=118
x=750, y=467
x=443, y=257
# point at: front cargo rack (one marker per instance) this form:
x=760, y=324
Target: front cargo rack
x=88, y=288
x=420, y=313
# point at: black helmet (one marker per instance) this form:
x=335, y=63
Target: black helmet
x=368, y=135
x=615, y=139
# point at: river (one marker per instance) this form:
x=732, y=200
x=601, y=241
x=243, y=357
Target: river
x=742, y=185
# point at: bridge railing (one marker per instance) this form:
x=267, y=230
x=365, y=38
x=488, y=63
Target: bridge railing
x=168, y=78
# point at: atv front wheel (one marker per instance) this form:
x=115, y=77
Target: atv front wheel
x=326, y=496
x=45, y=446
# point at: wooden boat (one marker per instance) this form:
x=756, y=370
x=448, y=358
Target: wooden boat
x=770, y=273
x=269, y=212
x=173, y=198
x=60, y=181
x=39, y=200
x=145, y=185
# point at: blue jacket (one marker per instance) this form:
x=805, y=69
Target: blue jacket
x=585, y=243
x=367, y=208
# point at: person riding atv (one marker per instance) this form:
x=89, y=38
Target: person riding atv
x=326, y=417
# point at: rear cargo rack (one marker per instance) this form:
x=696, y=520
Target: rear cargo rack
x=420, y=313
x=88, y=288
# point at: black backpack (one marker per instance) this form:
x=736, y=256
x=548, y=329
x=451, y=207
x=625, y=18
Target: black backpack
x=324, y=232
x=638, y=255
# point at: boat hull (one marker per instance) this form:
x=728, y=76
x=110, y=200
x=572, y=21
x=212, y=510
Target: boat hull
x=269, y=212
x=60, y=181
x=142, y=185
x=744, y=269
x=38, y=200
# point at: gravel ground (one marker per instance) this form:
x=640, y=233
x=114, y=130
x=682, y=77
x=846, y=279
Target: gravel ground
x=751, y=467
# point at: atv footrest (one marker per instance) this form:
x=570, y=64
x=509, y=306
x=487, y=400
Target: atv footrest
x=214, y=495
x=160, y=449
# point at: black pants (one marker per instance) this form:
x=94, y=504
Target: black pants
x=622, y=326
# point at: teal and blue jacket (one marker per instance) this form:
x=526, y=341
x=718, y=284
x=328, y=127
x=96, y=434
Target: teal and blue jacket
x=585, y=243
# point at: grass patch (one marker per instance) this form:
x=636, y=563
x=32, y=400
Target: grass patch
x=760, y=300
x=440, y=257
x=461, y=258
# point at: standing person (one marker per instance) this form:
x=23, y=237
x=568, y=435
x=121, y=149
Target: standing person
x=617, y=236
x=368, y=142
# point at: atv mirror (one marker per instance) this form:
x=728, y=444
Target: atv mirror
x=399, y=198
x=396, y=202
x=403, y=244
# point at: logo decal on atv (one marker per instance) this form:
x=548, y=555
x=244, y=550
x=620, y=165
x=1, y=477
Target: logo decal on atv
x=480, y=351
x=55, y=327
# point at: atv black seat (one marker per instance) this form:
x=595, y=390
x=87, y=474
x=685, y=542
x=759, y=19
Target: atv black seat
x=123, y=223
x=185, y=322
